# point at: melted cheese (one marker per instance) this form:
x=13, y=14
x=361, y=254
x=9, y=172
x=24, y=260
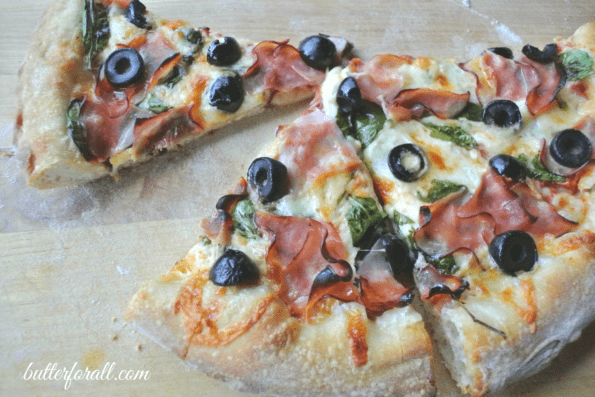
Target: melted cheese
x=447, y=161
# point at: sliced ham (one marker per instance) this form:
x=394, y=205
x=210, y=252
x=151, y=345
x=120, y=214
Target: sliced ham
x=516, y=80
x=502, y=78
x=379, y=289
x=279, y=67
x=302, y=248
x=313, y=149
x=412, y=104
x=496, y=207
x=378, y=79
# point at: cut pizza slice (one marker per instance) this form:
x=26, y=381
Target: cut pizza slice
x=107, y=84
x=298, y=286
x=468, y=160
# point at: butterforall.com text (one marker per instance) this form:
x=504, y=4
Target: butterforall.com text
x=54, y=373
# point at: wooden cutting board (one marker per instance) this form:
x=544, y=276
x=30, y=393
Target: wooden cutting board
x=70, y=259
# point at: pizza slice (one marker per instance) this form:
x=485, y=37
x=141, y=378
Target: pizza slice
x=487, y=167
x=299, y=285
x=107, y=84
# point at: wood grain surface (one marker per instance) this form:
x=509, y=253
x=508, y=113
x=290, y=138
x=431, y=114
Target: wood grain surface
x=70, y=259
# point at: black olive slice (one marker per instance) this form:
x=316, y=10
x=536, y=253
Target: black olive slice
x=228, y=202
x=508, y=167
x=571, y=148
x=514, y=251
x=502, y=51
x=227, y=93
x=124, y=67
x=327, y=276
x=269, y=178
x=407, y=162
x=349, y=96
x=194, y=36
x=318, y=52
x=135, y=14
x=425, y=214
x=224, y=53
x=398, y=253
x=501, y=112
x=535, y=54
x=234, y=268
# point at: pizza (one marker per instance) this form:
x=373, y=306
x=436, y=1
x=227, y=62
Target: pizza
x=269, y=299
x=464, y=185
x=487, y=167
x=418, y=204
x=107, y=84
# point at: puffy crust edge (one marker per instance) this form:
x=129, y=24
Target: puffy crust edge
x=481, y=361
x=279, y=355
x=52, y=69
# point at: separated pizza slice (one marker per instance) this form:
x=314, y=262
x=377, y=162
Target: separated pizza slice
x=468, y=160
x=107, y=84
x=299, y=286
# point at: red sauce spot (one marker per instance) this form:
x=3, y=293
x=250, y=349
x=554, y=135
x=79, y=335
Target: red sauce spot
x=580, y=88
x=19, y=121
x=356, y=332
x=436, y=160
x=31, y=165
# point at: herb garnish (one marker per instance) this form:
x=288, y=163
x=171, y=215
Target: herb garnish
x=243, y=218
x=363, y=214
x=452, y=133
x=154, y=104
x=96, y=31
x=439, y=189
x=401, y=219
x=537, y=171
x=364, y=124
x=578, y=64
x=76, y=129
x=446, y=264
x=472, y=112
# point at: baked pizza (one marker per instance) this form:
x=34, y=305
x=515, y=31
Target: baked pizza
x=107, y=84
x=460, y=191
x=487, y=168
x=291, y=290
x=466, y=185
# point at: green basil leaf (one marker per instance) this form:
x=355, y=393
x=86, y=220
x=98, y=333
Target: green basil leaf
x=194, y=36
x=369, y=122
x=342, y=120
x=96, y=31
x=446, y=264
x=364, y=124
x=472, y=112
x=362, y=215
x=452, y=133
x=537, y=171
x=439, y=189
x=578, y=64
x=411, y=238
x=76, y=130
x=401, y=219
x=154, y=104
x=174, y=77
x=243, y=218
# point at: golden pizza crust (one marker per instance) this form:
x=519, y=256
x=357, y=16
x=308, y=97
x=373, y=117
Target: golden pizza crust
x=279, y=354
x=51, y=71
x=528, y=331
